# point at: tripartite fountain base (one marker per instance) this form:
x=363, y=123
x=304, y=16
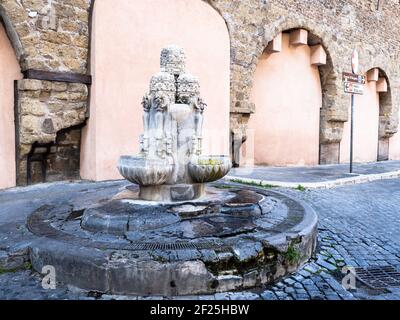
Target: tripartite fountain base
x=234, y=238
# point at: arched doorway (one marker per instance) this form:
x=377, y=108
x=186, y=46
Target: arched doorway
x=9, y=71
x=127, y=38
x=288, y=97
x=368, y=147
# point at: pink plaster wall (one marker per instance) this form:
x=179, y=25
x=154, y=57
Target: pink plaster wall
x=9, y=71
x=288, y=98
x=127, y=40
x=366, y=127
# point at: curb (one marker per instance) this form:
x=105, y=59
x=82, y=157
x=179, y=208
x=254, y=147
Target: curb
x=319, y=185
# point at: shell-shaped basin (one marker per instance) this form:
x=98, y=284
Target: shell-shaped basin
x=145, y=172
x=209, y=168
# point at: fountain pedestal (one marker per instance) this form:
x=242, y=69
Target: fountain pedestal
x=170, y=166
x=172, y=193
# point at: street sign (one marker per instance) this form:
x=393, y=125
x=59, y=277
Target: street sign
x=354, y=61
x=351, y=77
x=353, y=88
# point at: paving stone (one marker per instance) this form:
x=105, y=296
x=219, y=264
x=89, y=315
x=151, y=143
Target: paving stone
x=298, y=286
x=289, y=281
x=222, y=296
x=269, y=295
x=333, y=297
x=326, y=265
x=362, y=232
x=304, y=273
x=312, y=268
x=244, y=296
x=289, y=290
x=298, y=277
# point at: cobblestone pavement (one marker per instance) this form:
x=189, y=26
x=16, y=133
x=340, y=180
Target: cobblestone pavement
x=359, y=227
x=314, y=174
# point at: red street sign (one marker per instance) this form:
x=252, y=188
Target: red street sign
x=351, y=77
x=354, y=88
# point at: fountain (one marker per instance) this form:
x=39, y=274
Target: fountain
x=173, y=229
x=171, y=166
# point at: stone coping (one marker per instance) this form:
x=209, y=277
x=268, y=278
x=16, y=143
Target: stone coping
x=356, y=179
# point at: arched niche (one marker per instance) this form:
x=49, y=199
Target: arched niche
x=9, y=72
x=287, y=93
x=371, y=142
x=127, y=38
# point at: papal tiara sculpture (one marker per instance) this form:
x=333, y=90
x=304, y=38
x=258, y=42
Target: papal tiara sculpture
x=170, y=166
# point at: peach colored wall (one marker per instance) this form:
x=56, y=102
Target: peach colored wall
x=288, y=98
x=9, y=71
x=127, y=40
x=366, y=127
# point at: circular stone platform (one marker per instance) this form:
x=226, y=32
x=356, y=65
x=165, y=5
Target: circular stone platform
x=235, y=238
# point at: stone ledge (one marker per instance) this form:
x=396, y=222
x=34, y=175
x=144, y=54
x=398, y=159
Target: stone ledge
x=359, y=179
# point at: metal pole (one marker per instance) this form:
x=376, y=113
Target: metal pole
x=352, y=133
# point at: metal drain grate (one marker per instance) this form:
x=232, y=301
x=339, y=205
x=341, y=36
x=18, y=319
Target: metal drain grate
x=178, y=246
x=379, y=277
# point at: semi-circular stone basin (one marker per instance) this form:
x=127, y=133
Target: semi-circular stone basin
x=235, y=238
x=145, y=172
x=209, y=168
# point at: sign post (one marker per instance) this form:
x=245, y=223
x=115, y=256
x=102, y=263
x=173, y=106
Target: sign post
x=352, y=134
x=353, y=84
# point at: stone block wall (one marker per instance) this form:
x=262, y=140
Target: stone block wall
x=43, y=110
x=49, y=35
x=340, y=26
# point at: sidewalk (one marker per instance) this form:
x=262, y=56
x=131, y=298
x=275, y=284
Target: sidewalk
x=318, y=177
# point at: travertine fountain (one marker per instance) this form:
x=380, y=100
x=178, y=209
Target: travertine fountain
x=170, y=166
x=185, y=239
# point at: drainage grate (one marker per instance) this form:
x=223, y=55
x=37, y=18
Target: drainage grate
x=204, y=245
x=379, y=277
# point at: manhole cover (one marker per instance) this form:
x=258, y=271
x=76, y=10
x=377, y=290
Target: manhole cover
x=379, y=277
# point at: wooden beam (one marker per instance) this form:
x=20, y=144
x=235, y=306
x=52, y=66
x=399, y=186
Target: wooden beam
x=57, y=76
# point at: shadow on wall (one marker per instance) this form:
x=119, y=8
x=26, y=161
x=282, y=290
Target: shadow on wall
x=123, y=61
